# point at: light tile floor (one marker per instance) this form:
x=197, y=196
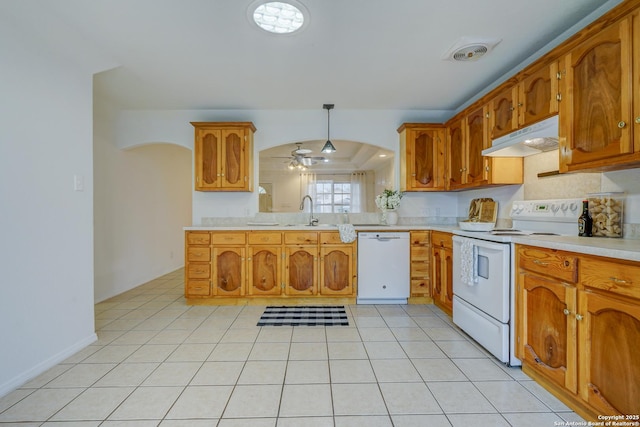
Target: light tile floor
x=159, y=362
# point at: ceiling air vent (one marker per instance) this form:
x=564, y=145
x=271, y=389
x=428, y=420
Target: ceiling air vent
x=470, y=53
x=468, y=49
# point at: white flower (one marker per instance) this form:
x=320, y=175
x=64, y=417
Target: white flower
x=389, y=199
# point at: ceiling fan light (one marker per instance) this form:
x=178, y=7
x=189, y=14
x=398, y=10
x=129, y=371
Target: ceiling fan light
x=328, y=147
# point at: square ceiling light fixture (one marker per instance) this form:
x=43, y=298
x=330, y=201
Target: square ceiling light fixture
x=278, y=17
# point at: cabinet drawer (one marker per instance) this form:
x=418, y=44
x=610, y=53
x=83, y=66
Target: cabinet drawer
x=441, y=240
x=562, y=266
x=420, y=253
x=611, y=275
x=199, y=271
x=301, y=238
x=419, y=269
x=198, y=254
x=420, y=238
x=198, y=238
x=265, y=238
x=199, y=288
x=228, y=238
x=420, y=287
x=331, y=238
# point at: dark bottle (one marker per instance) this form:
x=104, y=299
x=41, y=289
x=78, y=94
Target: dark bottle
x=585, y=222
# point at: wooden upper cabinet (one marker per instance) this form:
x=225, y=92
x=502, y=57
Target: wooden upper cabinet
x=223, y=156
x=477, y=140
x=421, y=157
x=596, y=110
x=456, y=147
x=537, y=94
x=503, y=114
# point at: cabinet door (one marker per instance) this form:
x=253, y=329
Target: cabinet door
x=455, y=155
x=207, y=159
x=447, y=269
x=609, y=336
x=538, y=95
x=548, y=328
x=595, y=128
x=265, y=270
x=301, y=270
x=437, y=276
x=228, y=271
x=425, y=159
x=503, y=114
x=477, y=140
x=233, y=158
x=336, y=270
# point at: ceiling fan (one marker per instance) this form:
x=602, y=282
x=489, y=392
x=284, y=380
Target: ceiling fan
x=299, y=158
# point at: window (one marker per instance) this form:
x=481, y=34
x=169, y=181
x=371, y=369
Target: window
x=332, y=196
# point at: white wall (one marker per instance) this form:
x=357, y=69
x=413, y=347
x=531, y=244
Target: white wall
x=142, y=201
x=274, y=127
x=46, y=289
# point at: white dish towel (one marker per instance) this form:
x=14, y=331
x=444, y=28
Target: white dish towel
x=468, y=263
x=347, y=233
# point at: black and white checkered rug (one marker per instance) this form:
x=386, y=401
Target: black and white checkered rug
x=304, y=316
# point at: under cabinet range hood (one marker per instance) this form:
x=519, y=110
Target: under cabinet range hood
x=534, y=139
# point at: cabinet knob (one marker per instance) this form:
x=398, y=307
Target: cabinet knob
x=638, y=120
x=622, y=124
x=566, y=312
x=559, y=97
x=579, y=316
x=520, y=104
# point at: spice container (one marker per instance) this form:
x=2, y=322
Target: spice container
x=607, y=211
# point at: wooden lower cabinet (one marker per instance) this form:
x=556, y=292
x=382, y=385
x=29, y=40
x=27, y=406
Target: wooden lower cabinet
x=577, y=327
x=301, y=270
x=442, y=270
x=265, y=270
x=420, y=264
x=198, y=264
x=229, y=271
x=282, y=264
x=337, y=272
x=546, y=343
x=609, y=333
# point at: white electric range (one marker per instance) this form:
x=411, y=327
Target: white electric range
x=484, y=272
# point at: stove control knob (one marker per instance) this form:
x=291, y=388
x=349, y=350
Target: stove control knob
x=564, y=207
x=554, y=208
x=573, y=206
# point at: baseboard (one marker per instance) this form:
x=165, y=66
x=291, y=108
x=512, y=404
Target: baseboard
x=43, y=366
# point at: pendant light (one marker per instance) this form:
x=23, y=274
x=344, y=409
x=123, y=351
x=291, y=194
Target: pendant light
x=328, y=146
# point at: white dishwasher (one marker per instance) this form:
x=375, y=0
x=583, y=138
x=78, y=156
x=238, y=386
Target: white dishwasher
x=383, y=268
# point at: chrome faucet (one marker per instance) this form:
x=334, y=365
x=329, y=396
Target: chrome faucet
x=312, y=220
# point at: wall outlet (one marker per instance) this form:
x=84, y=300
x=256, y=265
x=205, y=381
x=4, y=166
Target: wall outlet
x=78, y=183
